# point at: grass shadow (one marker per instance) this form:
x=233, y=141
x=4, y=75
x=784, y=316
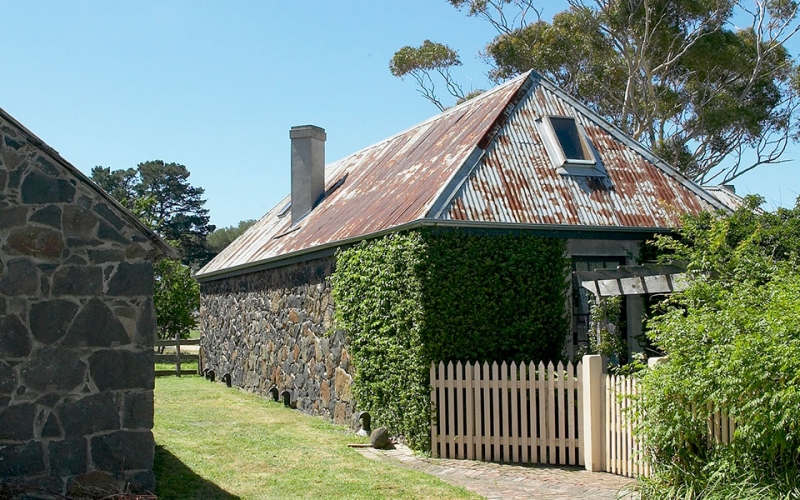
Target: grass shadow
x=174, y=480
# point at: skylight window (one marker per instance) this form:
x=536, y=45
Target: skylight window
x=573, y=145
x=569, y=148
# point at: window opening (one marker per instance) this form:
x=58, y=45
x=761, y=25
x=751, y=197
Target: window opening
x=580, y=296
x=569, y=138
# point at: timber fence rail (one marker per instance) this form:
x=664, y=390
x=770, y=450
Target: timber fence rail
x=178, y=358
x=522, y=413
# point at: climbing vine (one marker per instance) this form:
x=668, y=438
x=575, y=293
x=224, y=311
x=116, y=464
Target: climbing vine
x=409, y=299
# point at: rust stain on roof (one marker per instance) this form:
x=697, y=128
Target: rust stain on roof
x=482, y=161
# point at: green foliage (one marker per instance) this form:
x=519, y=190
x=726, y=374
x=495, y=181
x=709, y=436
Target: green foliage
x=733, y=344
x=160, y=194
x=176, y=297
x=420, y=62
x=607, y=337
x=224, y=236
x=677, y=75
x=406, y=300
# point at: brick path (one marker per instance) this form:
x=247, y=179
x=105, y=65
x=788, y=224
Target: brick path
x=502, y=481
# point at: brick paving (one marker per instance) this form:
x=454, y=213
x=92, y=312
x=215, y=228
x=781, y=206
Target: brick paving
x=511, y=482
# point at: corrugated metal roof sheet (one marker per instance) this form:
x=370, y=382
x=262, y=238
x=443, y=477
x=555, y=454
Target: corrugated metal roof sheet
x=516, y=182
x=383, y=186
x=726, y=196
x=481, y=161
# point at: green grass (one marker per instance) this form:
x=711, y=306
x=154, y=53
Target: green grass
x=186, y=366
x=213, y=442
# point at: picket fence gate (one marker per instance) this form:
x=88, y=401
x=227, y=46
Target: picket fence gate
x=508, y=412
x=624, y=453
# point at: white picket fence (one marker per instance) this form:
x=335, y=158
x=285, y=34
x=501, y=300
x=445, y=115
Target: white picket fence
x=507, y=412
x=624, y=451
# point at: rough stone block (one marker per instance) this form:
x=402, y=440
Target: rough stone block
x=89, y=484
x=132, y=280
x=123, y=450
x=15, y=340
x=141, y=482
x=96, y=326
x=51, y=427
x=50, y=319
x=68, y=456
x=35, y=241
x=21, y=279
x=105, y=212
x=105, y=255
x=78, y=280
x=137, y=410
x=21, y=460
x=78, y=222
x=146, y=324
x=16, y=422
x=116, y=369
x=54, y=368
x=8, y=379
x=49, y=216
x=39, y=188
x=13, y=217
x=90, y=414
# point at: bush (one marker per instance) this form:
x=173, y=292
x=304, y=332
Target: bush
x=733, y=343
x=408, y=299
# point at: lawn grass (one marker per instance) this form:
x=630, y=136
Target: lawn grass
x=213, y=442
x=186, y=366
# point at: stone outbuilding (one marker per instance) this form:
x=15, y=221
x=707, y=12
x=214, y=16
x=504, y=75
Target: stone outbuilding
x=77, y=327
x=523, y=157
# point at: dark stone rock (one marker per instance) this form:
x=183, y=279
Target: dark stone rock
x=12, y=143
x=78, y=280
x=146, y=324
x=141, y=482
x=108, y=233
x=379, y=438
x=137, y=410
x=21, y=279
x=15, y=176
x=2, y=299
x=4, y=401
x=61, y=369
x=13, y=217
x=8, y=379
x=15, y=340
x=75, y=260
x=78, y=222
x=96, y=326
x=123, y=450
x=92, y=485
x=21, y=460
x=51, y=319
x=35, y=241
x=47, y=166
x=133, y=252
x=103, y=256
x=117, y=369
x=90, y=414
x=38, y=188
x=68, y=456
x=16, y=422
x=84, y=201
x=51, y=484
x=51, y=427
x=49, y=400
x=132, y=280
x=103, y=211
x=83, y=242
x=49, y=216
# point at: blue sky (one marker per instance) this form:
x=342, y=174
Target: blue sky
x=216, y=85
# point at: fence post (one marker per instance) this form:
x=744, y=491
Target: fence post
x=593, y=408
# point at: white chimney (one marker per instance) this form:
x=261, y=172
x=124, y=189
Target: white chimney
x=308, y=168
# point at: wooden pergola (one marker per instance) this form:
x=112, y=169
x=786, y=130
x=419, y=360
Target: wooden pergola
x=634, y=280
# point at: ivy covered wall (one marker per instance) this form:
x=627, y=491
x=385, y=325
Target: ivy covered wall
x=429, y=295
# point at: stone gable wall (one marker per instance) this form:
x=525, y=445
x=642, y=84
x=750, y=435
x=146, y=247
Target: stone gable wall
x=77, y=327
x=273, y=328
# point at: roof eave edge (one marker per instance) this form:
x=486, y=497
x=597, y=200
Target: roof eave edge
x=313, y=252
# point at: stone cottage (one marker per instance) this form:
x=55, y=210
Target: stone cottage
x=524, y=156
x=77, y=327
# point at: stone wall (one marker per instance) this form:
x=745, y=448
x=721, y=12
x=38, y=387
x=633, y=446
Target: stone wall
x=273, y=328
x=77, y=327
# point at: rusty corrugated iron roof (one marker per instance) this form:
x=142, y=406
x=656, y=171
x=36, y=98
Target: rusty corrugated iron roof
x=515, y=181
x=482, y=161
